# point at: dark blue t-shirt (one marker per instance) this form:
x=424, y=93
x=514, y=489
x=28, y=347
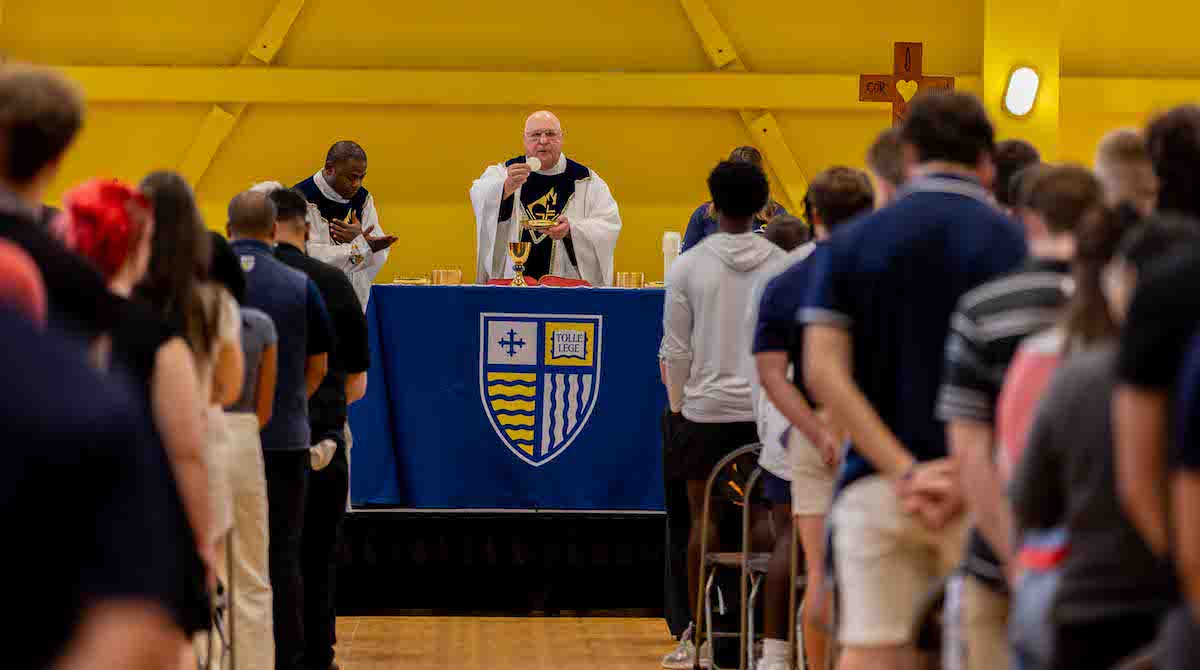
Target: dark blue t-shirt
x=702, y=224
x=892, y=279
x=778, y=328
x=81, y=495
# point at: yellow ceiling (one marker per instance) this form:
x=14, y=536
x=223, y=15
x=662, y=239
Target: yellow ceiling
x=424, y=158
x=1124, y=38
x=1101, y=37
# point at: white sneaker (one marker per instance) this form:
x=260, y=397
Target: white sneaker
x=684, y=656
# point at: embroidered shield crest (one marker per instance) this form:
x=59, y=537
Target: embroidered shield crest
x=539, y=376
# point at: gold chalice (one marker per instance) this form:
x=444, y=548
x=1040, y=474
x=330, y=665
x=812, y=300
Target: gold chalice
x=519, y=253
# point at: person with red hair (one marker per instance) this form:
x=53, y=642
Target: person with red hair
x=110, y=224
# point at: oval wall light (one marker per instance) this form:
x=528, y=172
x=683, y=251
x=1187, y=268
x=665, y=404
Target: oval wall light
x=1022, y=91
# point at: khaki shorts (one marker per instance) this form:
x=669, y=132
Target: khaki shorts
x=976, y=623
x=812, y=480
x=886, y=562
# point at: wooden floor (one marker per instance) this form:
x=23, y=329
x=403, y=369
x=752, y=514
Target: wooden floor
x=470, y=643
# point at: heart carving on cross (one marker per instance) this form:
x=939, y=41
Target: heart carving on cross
x=905, y=82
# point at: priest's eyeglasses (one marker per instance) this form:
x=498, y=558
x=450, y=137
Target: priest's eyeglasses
x=550, y=135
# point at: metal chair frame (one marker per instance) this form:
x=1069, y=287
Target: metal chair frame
x=751, y=573
x=755, y=579
x=704, y=594
x=222, y=613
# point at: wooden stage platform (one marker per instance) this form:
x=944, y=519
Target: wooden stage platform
x=496, y=643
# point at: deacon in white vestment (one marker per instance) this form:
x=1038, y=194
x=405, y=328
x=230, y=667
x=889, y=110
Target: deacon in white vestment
x=545, y=184
x=343, y=224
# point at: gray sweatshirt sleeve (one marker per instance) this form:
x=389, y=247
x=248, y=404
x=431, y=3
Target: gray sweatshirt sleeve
x=676, y=350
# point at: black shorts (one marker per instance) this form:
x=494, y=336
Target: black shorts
x=776, y=489
x=696, y=448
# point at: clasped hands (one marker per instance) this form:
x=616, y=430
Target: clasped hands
x=345, y=233
x=932, y=492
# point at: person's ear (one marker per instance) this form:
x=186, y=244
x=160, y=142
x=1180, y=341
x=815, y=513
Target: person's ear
x=275, y=230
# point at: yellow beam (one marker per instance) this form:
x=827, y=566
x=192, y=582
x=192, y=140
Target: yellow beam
x=223, y=117
x=770, y=141
x=762, y=126
x=213, y=131
x=699, y=90
x=270, y=37
x=1011, y=40
x=716, y=43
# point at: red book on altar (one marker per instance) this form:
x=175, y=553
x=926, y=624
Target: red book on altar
x=563, y=282
x=548, y=280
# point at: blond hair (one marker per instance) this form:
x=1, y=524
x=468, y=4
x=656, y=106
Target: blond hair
x=1124, y=167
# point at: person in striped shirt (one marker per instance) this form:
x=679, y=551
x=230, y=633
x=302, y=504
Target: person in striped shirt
x=985, y=330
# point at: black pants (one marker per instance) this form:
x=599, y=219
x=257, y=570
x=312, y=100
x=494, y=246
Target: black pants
x=287, y=485
x=1103, y=643
x=676, y=609
x=324, y=513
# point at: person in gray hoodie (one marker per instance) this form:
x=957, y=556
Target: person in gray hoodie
x=705, y=341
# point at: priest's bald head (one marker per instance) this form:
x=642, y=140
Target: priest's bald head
x=544, y=138
x=345, y=168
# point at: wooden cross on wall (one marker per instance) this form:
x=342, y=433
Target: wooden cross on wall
x=905, y=82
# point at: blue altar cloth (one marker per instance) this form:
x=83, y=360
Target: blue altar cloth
x=499, y=398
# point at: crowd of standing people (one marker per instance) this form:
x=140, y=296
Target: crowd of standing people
x=976, y=383
x=184, y=399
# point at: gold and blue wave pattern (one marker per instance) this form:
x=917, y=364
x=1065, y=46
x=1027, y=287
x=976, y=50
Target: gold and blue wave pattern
x=539, y=380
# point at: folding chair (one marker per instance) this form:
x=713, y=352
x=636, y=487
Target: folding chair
x=741, y=471
x=754, y=571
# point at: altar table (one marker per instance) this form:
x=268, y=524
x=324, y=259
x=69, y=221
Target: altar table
x=514, y=399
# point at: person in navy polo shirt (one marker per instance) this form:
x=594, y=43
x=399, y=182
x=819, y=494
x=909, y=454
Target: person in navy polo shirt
x=292, y=301
x=878, y=313
x=835, y=196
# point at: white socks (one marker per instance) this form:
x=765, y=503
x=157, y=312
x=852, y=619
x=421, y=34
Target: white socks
x=776, y=654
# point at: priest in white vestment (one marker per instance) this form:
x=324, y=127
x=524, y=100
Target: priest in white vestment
x=545, y=184
x=343, y=223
